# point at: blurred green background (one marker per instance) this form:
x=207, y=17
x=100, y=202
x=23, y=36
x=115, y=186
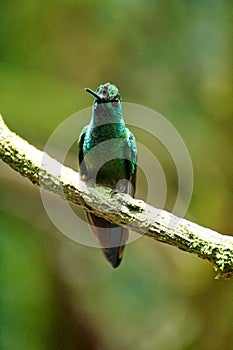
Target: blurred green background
x=174, y=57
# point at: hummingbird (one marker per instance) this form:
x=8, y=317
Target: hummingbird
x=108, y=156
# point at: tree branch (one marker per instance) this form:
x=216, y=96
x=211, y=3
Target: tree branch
x=120, y=209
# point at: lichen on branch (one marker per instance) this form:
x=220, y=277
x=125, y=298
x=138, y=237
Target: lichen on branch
x=120, y=209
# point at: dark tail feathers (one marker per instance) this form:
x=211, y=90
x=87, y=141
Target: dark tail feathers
x=112, y=238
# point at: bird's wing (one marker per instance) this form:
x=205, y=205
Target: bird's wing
x=130, y=152
x=83, y=170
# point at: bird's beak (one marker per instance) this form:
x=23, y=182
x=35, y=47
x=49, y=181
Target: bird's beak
x=93, y=93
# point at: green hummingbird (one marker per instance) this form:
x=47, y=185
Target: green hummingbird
x=108, y=156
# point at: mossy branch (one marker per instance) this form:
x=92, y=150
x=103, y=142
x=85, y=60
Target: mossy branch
x=120, y=209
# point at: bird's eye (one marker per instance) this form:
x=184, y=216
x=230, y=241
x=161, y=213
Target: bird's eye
x=116, y=101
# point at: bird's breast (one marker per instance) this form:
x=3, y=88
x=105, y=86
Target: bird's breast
x=104, y=157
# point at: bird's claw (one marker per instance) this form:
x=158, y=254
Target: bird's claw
x=114, y=191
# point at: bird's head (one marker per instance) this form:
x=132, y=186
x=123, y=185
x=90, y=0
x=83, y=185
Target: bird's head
x=105, y=93
x=107, y=99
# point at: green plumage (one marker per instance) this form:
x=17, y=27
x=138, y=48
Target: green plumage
x=108, y=156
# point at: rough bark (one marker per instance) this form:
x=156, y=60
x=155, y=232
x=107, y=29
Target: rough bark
x=120, y=209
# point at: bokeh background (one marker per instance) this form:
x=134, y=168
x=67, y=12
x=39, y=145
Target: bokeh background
x=174, y=57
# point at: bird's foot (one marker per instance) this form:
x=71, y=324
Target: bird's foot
x=84, y=177
x=113, y=192
x=121, y=187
